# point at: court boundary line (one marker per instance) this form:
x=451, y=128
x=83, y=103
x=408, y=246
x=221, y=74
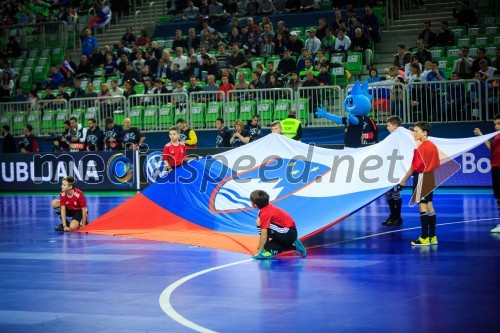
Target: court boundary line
x=169, y=310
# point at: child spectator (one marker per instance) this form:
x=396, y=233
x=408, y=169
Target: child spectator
x=277, y=229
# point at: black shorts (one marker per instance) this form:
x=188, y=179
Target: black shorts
x=281, y=241
x=426, y=187
x=495, y=175
x=76, y=215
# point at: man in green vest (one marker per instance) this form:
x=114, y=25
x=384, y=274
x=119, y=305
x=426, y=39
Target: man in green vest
x=291, y=127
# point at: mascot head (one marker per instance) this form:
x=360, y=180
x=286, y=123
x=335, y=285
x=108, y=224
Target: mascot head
x=358, y=102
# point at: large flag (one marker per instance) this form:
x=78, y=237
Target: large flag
x=206, y=202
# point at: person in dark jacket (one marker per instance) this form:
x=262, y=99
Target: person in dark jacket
x=9, y=145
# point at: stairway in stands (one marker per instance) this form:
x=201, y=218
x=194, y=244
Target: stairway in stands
x=406, y=29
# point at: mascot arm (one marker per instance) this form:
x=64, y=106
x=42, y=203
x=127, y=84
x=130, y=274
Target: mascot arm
x=323, y=114
x=352, y=119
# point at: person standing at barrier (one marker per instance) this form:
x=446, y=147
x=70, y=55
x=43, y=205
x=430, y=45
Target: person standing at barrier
x=240, y=135
x=61, y=140
x=277, y=229
x=71, y=204
x=132, y=137
x=253, y=128
x=291, y=127
x=223, y=135
x=494, y=147
x=9, y=145
x=77, y=135
x=188, y=135
x=174, y=152
x=95, y=137
x=113, y=135
x=425, y=162
x=393, y=196
x=29, y=143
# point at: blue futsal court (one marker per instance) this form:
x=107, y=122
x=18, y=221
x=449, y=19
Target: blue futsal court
x=358, y=276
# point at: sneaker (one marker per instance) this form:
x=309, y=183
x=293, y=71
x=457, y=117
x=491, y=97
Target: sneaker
x=395, y=222
x=433, y=240
x=264, y=254
x=59, y=228
x=386, y=222
x=421, y=242
x=299, y=247
x=496, y=229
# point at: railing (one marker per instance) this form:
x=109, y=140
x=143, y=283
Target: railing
x=436, y=102
x=38, y=35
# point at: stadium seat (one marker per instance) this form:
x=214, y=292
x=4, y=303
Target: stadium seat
x=48, y=122
x=150, y=117
x=41, y=73
x=247, y=71
x=46, y=52
x=97, y=83
x=18, y=62
x=473, y=49
x=453, y=51
x=135, y=116
x=281, y=109
x=437, y=51
x=338, y=76
x=139, y=88
x=91, y=112
x=473, y=31
x=355, y=63
x=274, y=59
x=256, y=60
x=491, y=30
x=303, y=110
x=337, y=58
x=30, y=62
x=58, y=54
x=481, y=40
x=33, y=53
x=198, y=114
x=247, y=109
x=118, y=116
x=25, y=82
x=79, y=114
x=34, y=120
x=298, y=30
x=6, y=119
x=491, y=51
x=166, y=115
x=214, y=111
x=231, y=112
x=98, y=72
x=458, y=30
x=265, y=109
x=61, y=117
x=463, y=41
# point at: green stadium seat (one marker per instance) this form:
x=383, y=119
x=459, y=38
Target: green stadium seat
x=34, y=119
x=151, y=117
x=48, y=122
x=118, y=116
x=491, y=30
x=437, y=51
x=281, y=109
x=274, y=59
x=256, y=60
x=247, y=71
x=453, y=51
x=18, y=122
x=98, y=72
x=41, y=73
x=27, y=70
x=6, y=119
x=58, y=54
x=46, y=52
x=463, y=40
x=61, y=117
x=473, y=49
x=166, y=115
x=481, y=40
x=303, y=110
x=247, y=109
x=496, y=40
x=265, y=109
x=25, y=82
x=458, y=30
x=18, y=62
x=97, y=83
x=231, y=112
x=379, y=12
x=355, y=63
x=198, y=114
x=91, y=112
x=43, y=61
x=298, y=30
x=139, y=88
x=135, y=115
x=214, y=111
x=337, y=58
x=33, y=53
x=491, y=51
x=473, y=31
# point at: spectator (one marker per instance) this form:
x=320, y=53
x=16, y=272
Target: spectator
x=307, y=5
x=279, y=6
x=321, y=32
x=211, y=85
x=486, y=69
x=294, y=83
x=256, y=83
x=6, y=85
x=132, y=138
x=234, y=38
x=266, y=7
x=295, y=45
x=242, y=83
x=131, y=74
x=267, y=47
x=96, y=59
x=88, y=43
x=414, y=60
x=240, y=136
x=181, y=59
x=466, y=16
x=94, y=140
x=436, y=74
x=110, y=66
x=12, y=49
x=216, y=13
x=237, y=59
x=287, y=64
x=312, y=44
x=319, y=60
x=445, y=36
x=20, y=96
x=422, y=53
x=401, y=58
x=179, y=41
x=324, y=77
x=292, y=6
x=496, y=63
x=279, y=44
x=463, y=65
x=225, y=86
x=281, y=28
x=373, y=76
x=115, y=91
x=55, y=77
x=427, y=35
x=361, y=43
x=188, y=135
x=78, y=92
x=251, y=48
x=29, y=143
x=301, y=62
x=128, y=38
x=223, y=136
x=128, y=90
x=481, y=54
x=372, y=23
x=9, y=145
x=253, y=128
x=342, y=43
x=191, y=12
x=328, y=42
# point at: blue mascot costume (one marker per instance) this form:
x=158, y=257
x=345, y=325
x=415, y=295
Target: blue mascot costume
x=360, y=129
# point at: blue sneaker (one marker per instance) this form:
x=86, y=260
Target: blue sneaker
x=299, y=247
x=264, y=254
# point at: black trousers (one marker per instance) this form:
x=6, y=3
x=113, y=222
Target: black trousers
x=281, y=241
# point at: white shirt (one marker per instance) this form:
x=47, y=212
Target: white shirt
x=342, y=44
x=182, y=60
x=312, y=45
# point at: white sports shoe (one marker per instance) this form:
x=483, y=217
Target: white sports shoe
x=496, y=229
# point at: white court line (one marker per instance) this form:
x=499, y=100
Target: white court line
x=167, y=307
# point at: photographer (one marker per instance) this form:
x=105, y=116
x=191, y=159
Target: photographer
x=95, y=136
x=77, y=135
x=113, y=135
x=29, y=144
x=61, y=140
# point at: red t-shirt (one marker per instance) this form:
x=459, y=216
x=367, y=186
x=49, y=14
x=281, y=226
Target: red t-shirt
x=495, y=152
x=275, y=218
x=75, y=202
x=173, y=154
x=425, y=157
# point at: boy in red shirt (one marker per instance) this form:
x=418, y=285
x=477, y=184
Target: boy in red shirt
x=174, y=152
x=425, y=162
x=495, y=163
x=71, y=204
x=277, y=229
